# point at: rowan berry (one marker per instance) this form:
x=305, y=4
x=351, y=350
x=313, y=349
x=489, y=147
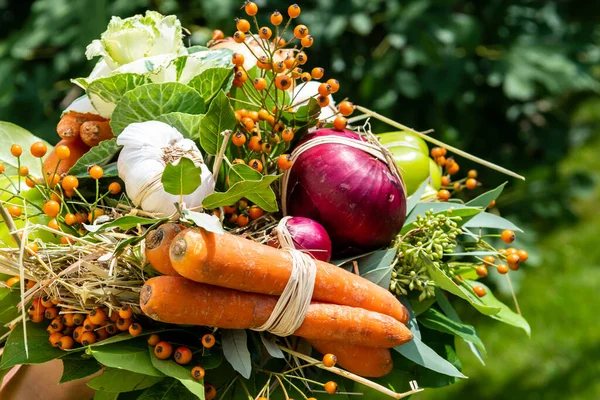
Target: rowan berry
x=94, y=215
x=276, y=18
x=13, y=210
x=217, y=34
x=492, y=204
x=208, y=340
x=251, y=8
x=163, y=350
x=135, y=329
x=307, y=41
x=279, y=67
x=471, y=183
x=54, y=338
x=284, y=162
x=335, y=85
x=472, y=174
x=242, y=25
x=182, y=355
x=68, y=319
x=323, y=101
x=340, y=123
x=29, y=182
x=266, y=148
x=239, y=37
x=453, y=168
x=123, y=324
x=489, y=260
x=111, y=328
x=96, y=172
x=238, y=139
x=507, y=236
x=523, y=255
x=511, y=250
x=441, y=161
x=51, y=313
x=65, y=343
x=242, y=220
x=51, y=208
x=101, y=334
x=443, y=195
x=88, y=325
x=38, y=149
x=262, y=113
x=294, y=11
x=256, y=165
x=317, y=73
x=331, y=387
x=125, y=311
x=237, y=59
x=325, y=89
x=62, y=152
x=232, y=218
x=329, y=360
x=77, y=332
x=260, y=84
x=241, y=76
x=198, y=372
x=255, y=144
x=283, y=82
x=153, y=339
x=23, y=170
x=210, y=392
x=481, y=271
x=255, y=212
x=57, y=322
x=346, y=108
x=248, y=123
x=16, y=150
x=10, y=282
x=479, y=291
x=78, y=319
x=300, y=31
x=88, y=338
x=97, y=316
x=114, y=188
x=513, y=259
x=2, y=168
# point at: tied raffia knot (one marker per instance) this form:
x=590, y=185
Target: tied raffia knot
x=292, y=306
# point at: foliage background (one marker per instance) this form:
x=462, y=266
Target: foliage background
x=515, y=82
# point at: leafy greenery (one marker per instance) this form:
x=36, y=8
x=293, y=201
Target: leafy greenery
x=182, y=178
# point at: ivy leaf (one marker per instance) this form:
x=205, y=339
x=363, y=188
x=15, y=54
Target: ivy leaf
x=242, y=172
x=211, y=81
x=148, y=102
x=210, y=223
x=235, y=349
x=220, y=117
x=131, y=355
x=114, y=380
x=39, y=349
x=181, y=373
x=105, y=93
x=78, y=368
x=182, y=178
x=187, y=124
x=99, y=155
x=259, y=192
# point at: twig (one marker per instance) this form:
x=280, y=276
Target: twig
x=217, y=165
x=514, y=296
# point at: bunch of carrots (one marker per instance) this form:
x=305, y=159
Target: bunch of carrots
x=79, y=132
x=226, y=281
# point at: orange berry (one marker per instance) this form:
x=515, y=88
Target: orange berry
x=255, y=212
x=305, y=77
x=13, y=210
x=77, y=332
x=217, y=34
x=23, y=170
x=523, y=255
x=453, y=168
x=263, y=62
x=135, y=329
x=62, y=152
x=489, y=259
x=153, y=339
x=300, y=31
x=481, y=271
x=262, y=113
x=294, y=11
x=511, y=250
x=16, y=150
x=445, y=180
x=256, y=165
x=255, y=144
x=331, y=387
x=283, y=82
x=441, y=161
x=284, y=161
x=317, y=73
x=102, y=334
x=260, y=84
x=97, y=316
x=65, y=343
x=10, y=282
x=239, y=37
x=251, y=8
x=70, y=182
x=335, y=85
x=68, y=319
x=242, y=25
x=479, y=291
x=198, y=372
x=54, y=338
x=279, y=67
x=94, y=215
x=276, y=18
x=472, y=174
x=125, y=312
x=492, y=204
x=233, y=218
x=114, y=188
x=29, y=182
x=96, y=172
x=507, y=236
x=88, y=338
x=307, y=41
x=111, y=328
x=457, y=186
x=242, y=220
x=208, y=340
x=346, y=108
x=51, y=313
x=33, y=248
x=88, y=325
x=78, y=319
x=238, y=139
x=210, y=392
x=471, y=183
x=325, y=89
x=51, y=208
x=323, y=101
x=443, y=195
x=238, y=59
x=266, y=148
x=265, y=32
x=53, y=180
x=248, y=123
x=38, y=149
x=2, y=168
x=182, y=355
x=340, y=123
x=123, y=324
x=53, y=224
x=163, y=350
x=329, y=360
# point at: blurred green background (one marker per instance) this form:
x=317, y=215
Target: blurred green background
x=515, y=82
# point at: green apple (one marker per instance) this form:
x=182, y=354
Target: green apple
x=435, y=175
x=411, y=154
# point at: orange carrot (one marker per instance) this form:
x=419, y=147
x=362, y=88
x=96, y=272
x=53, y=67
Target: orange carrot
x=77, y=148
x=69, y=125
x=231, y=261
x=94, y=132
x=177, y=300
x=157, y=247
x=370, y=362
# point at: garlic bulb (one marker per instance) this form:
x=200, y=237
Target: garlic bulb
x=147, y=148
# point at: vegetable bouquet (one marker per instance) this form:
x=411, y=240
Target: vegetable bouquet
x=212, y=224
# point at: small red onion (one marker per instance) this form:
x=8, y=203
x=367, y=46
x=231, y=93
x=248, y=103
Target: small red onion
x=310, y=236
x=361, y=204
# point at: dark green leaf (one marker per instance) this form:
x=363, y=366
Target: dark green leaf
x=242, y=172
x=486, y=198
x=259, y=192
x=377, y=266
x=487, y=220
x=187, y=124
x=105, y=93
x=210, y=223
x=433, y=319
x=271, y=346
x=210, y=81
x=420, y=353
x=212, y=360
x=102, y=395
x=168, y=389
x=74, y=369
x=131, y=355
x=179, y=372
x=182, y=178
x=115, y=380
x=123, y=223
x=219, y=118
x=235, y=349
x=99, y=155
x=148, y=102
x=40, y=350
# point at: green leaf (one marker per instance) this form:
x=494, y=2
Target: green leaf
x=131, y=355
x=220, y=117
x=377, y=266
x=505, y=315
x=74, y=369
x=8, y=305
x=124, y=223
x=182, y=178
x=179, y=372
x=457, y=210
x=413, y=199
x=361, y=23
x=168, y=389
x=187, y=124
x=148, y=102
x=305, y=116
x=115, y=380
x=40, y=350
x=242, y=172
x=210, y=223
x=486, y=198
x=487, y=220
x=105, y=93
x=420, y=353
x=13, y=134
x=444, y=282
x=433, y=319
x=270, y=345
x=259, y=192
x=211, y=81
x=122, y=337
x=212, y=360
x=102, y=395
x=99, y=155
x=235, y=349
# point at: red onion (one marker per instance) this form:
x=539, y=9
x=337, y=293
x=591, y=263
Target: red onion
x=353, y=194
x=310, y=236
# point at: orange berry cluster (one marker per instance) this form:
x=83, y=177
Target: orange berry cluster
x=73, y=327
x=242, y=212
x=451, y=167
x=183, y=355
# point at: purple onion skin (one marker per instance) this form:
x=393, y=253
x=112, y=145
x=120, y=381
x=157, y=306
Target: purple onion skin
x=351, y=193
x=310, y=236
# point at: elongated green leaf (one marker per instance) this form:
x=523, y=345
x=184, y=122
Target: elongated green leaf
x=74, y=369
x=40, y=350
x=235, y=349
x=210, y=223
x=100, y=155
x=505, y=315
x=13, y=134
x=168, y=389
x=486, y=198
x=115, y=380
x=105, y=93
x=187, y=124
x=420, y=353
x=413, y=199
x=271, y=346
x=148, y=102
x=131, y=355
x=433, y=319
x=102, y=395
x=457, y=210
x=487, y=220
x=210, y=81
x=182, y=178
x=219, y=118
x=123, y=223
x=179, y=372
x=377, y=266
x=259, y=192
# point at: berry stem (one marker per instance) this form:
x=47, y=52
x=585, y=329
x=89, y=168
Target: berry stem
x=226, y=135
x=514, y=296
x=10, y=224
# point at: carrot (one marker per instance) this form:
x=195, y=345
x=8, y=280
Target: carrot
x=231, y=261
x=94, y=132
x=77, y=148
x=157, y=247
x=369, y=362
x=69, y=125
x=176, y=300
